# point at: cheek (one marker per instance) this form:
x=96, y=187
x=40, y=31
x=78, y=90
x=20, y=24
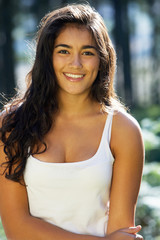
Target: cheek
x=96, y=63
x=95, y=66
x=56, y=63
x=53, y=62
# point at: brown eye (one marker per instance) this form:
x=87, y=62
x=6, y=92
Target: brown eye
x=63, y=52
x=88, y=53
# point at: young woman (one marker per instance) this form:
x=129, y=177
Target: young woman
x=71, y=157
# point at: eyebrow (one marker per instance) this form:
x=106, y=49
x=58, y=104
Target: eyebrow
x=83, y=47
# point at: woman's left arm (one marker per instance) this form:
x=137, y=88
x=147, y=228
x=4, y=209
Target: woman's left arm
x=127, y=147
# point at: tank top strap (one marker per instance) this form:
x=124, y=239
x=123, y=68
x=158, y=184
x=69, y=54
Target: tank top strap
x=107, y=128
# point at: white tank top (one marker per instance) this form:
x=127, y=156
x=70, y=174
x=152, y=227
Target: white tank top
x=73, y=196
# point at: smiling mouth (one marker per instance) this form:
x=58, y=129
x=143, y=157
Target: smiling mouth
x=74, y=77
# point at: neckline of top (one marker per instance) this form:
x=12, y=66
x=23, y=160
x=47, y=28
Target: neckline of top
x=108, y=118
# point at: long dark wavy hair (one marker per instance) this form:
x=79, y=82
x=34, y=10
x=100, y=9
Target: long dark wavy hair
x=28, y=118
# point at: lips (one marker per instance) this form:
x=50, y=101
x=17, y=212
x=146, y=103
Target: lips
x=74, y=77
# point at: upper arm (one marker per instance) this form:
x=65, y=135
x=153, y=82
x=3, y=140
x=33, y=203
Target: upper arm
x=13, y=199
x=128, y=150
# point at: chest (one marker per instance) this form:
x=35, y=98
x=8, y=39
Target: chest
x=73, y=141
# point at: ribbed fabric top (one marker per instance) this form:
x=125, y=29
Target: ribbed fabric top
x=73, y=196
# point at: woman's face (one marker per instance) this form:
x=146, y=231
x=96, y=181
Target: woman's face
x=75, y=60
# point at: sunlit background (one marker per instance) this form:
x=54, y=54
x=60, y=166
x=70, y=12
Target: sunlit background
x=134, y=27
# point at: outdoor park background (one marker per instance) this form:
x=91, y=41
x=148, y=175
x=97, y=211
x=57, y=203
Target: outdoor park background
x=134, y=27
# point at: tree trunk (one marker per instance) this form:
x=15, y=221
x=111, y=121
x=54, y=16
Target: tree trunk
x=7, y=79
x=122, y=45
x=154, y=14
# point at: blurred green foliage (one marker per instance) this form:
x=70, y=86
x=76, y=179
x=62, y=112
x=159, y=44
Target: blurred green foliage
x=152, y=112
x=148, y=206
x=149, y=120
x=2, y=234
x=153, y=177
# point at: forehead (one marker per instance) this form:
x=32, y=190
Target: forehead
x=75, y=32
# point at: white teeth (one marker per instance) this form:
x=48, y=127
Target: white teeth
x=73, y=75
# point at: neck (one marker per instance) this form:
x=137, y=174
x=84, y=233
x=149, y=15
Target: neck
x=77, y=105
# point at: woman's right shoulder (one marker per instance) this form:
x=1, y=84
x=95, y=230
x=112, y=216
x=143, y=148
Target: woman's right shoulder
x=5, y=112
x=3, y=120
x=2, y=116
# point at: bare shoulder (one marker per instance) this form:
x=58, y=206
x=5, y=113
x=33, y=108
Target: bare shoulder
x=3, y=114
x=125, y=131
x=7, y=111
x=126, y=123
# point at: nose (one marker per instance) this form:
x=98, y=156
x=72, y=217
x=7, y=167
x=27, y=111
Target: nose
x=76, y=61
